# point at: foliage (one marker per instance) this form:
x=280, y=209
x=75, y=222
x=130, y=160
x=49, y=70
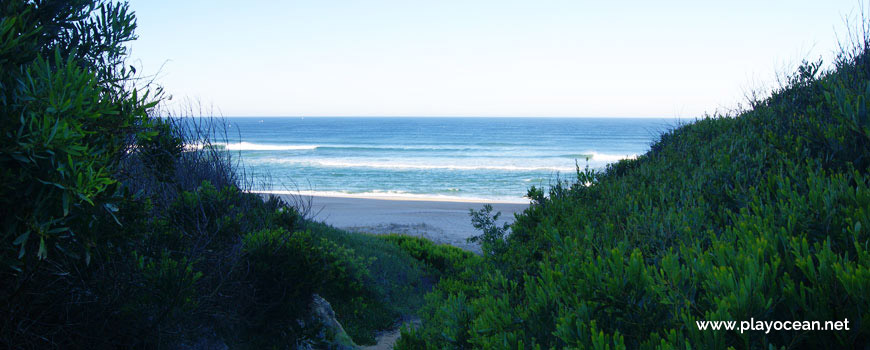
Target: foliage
x=492, y=235
x=69, y=113
x=760, y=215
x=395, y=285
x=287, y=269
x=444, y=259
x=121, y=233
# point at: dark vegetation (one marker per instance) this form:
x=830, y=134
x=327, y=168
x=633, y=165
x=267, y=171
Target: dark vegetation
x=760, y=214
x=123, y=229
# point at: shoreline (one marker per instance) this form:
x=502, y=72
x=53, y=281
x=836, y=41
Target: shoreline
x=445, y=222
x=395, y=197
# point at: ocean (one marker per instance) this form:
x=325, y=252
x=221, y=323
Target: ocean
x=494, y=159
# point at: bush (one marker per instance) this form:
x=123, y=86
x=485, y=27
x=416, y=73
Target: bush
x=286, y=269
x=446, y=260
x=492, y=235
x=760, y=215
x=69, y=115
x=125, y=228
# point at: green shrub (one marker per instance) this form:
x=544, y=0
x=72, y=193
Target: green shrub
x=492, y=235
x=286, y=269
x=118, y=236
x=445, y=259
x=69, y=112
x=168, y=292
x=159, y=154
x=68, y=115
x=760, y=215
x=394, y=288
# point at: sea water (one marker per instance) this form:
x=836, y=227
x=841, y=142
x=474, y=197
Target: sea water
x=494, y=159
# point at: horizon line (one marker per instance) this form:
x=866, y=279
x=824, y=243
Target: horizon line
x=456, y=116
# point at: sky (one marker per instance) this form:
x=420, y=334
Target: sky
x=479, y=58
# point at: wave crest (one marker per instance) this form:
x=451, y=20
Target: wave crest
x=400, y=195
x=600, y=157
x=248, y=146
x=412, y=166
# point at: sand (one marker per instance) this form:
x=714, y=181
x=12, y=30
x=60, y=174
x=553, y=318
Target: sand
x=441, y=221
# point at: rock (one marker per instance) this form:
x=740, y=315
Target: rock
x=331, y=334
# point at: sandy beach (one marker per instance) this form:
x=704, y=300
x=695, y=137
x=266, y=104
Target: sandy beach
x=445, y=222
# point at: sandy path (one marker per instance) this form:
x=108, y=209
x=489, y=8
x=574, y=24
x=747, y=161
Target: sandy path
x=388, y=339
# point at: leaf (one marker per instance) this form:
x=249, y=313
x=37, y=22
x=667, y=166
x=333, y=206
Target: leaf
x=22, y=238
x=53, y=132
x=58, y=230
x=20, y=158
x=51, y=183
x=115, y=217
x=65, y=204
x=42, y=253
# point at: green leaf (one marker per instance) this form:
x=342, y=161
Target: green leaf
x=58, y=230
x=65, y=203
x=42, y=253
x=20, y=158
x=53, y=132
x=22, y=238
x=115, y=217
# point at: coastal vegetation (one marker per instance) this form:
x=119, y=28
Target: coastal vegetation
x=118, y=234
x=760, y=214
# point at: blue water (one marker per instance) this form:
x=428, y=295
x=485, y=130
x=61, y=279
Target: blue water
x=458, y=158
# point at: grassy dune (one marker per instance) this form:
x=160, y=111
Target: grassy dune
x=761, y=214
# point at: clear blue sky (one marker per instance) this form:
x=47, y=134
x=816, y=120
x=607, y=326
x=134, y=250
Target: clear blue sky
x=479, y=58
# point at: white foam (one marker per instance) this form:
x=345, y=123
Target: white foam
x=414, y=166
x=604, y=157
x=248, y=146
x=399, y=195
